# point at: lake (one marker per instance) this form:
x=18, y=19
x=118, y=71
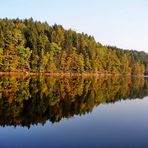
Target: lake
x=73, y=112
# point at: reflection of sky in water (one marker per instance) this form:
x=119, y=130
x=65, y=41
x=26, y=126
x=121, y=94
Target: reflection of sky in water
x=122, y=124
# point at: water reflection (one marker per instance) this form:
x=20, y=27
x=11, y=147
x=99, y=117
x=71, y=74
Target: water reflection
x=32, y=100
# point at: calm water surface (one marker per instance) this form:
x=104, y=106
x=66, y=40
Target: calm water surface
x=73, y=112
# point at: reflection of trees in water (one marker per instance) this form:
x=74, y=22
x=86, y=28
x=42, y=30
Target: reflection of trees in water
x=27, y=101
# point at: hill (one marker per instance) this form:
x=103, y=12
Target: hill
x=33, y=46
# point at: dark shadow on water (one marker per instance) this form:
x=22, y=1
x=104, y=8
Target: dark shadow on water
x=32, y=100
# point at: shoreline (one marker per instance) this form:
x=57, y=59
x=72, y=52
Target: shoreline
x=62, y=74
x=21, y=73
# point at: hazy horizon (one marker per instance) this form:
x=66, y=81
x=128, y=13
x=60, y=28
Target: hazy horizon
x=121, y=24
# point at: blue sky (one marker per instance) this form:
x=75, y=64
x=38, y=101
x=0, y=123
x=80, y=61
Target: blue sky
x=112, y=22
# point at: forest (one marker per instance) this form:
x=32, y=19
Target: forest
x=36, y=47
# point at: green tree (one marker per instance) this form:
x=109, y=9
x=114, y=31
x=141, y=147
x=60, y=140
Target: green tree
x=23, y=57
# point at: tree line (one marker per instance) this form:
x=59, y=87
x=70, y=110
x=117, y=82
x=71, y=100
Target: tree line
x=34, y=46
